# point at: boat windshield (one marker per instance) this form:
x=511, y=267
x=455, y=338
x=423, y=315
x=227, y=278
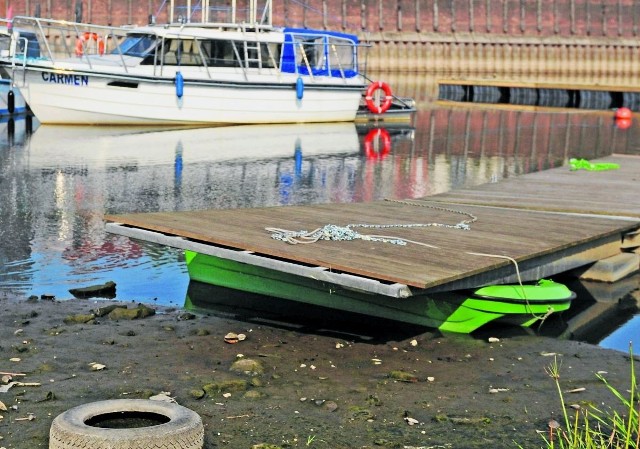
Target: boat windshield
x=139, y=45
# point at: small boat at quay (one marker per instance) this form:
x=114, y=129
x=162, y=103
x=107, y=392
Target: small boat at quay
x=216, y=64
x=11, y=101
x=455, y=311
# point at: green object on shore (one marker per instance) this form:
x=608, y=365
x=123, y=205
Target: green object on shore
x=583, y=164
x=454, y=311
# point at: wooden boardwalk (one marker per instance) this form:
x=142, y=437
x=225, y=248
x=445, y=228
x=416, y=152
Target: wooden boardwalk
x=542, y=241
x=614, y=192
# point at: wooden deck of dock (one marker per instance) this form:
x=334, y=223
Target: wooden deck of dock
x=614, y=193
x=549, y=222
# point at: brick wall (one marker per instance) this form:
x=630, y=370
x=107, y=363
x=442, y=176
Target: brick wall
x=608, y=18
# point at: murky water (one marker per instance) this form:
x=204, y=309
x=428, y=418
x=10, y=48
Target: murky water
x=57, y=183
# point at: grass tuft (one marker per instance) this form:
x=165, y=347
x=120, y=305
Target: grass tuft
x=592, y=428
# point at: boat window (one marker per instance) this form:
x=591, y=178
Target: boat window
x=182, y=52
x=318, y=53
x=342, y=55
x=137, y=45
x=311, y=52
x=220, y=53
x=270, y=54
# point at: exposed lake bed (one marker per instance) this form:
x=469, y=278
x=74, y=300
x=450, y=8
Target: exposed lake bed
x=304, y=388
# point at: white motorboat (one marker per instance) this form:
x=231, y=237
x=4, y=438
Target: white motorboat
x=219, y=65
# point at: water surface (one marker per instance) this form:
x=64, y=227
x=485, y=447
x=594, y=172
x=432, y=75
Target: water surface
x=58, y=182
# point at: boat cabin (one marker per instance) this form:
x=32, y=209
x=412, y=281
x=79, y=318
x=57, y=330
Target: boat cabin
x=290, y=50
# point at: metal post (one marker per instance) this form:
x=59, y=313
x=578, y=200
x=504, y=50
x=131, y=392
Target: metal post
x=488, y=15
x=399, y=15
x=619, y=18
x=304, y=15
x=436, y=25
x=417, y=20
x=572, y=13
x=205, y=11
x=522, y=16
x=588, y=7
x=539, y=16
x=380, y=15
x=471, y=17
x=505, y=17
x=452, y=4
x=324, y=14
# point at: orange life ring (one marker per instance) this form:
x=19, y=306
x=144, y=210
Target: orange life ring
x=87, y=36
x=377, y=143
x=388, y=97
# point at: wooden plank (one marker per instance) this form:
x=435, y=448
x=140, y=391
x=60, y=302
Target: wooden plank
x=615, y=192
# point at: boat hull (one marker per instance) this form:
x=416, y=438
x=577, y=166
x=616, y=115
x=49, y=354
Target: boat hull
x=449, y=312
x=111, y=100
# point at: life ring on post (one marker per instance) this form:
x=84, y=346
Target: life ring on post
x=369, y=97
x=377, y=143
x=86, y=37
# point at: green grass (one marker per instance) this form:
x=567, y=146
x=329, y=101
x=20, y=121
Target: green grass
x=591, y=428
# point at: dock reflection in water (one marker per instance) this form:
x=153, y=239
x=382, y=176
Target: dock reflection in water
x=57, y=184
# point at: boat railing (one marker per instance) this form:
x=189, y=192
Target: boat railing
x=58, y=39
x=253, y=13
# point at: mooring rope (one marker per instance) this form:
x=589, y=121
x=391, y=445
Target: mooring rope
x=550, y=310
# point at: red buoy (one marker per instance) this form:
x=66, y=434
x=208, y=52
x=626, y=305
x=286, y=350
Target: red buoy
x=623, y=113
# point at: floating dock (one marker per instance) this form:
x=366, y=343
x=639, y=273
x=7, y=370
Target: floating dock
x=547, y=222
x=555, y=95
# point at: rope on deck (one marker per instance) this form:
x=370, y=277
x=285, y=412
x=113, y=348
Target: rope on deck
x=347, y=233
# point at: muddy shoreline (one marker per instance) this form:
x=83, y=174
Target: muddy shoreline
x=308, y=389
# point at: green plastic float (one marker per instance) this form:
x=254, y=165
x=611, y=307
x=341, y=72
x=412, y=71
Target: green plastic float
x=583, y=164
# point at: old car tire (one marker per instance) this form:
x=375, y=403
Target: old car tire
x=177, y=426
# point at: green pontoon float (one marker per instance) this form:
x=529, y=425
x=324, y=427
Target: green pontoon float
x=454, y=311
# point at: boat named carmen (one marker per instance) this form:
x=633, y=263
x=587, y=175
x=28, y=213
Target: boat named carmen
x=220, y=65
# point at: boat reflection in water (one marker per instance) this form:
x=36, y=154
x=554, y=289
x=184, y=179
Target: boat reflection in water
x=595, y=317
x=95, y=147
x=71, y=176
x=258, y=309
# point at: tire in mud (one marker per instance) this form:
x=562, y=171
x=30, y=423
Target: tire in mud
x=127, y=423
